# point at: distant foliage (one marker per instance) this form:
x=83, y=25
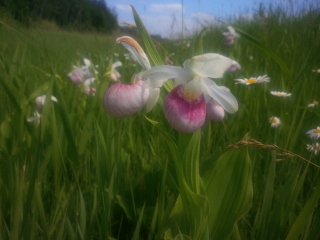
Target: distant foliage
x=76, y=14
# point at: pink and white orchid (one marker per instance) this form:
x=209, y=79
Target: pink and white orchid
x=80, y=74
x=230, y=36
x=185, y=105
x=122, y=100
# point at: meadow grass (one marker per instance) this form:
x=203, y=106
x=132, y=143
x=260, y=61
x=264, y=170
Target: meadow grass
x=82, y=174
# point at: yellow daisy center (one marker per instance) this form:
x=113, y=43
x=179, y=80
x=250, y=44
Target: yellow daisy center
x=317, y=130
x=190, y=94
x=280, y=94
x=274, y=120
x=318, y=70
x=251, y=80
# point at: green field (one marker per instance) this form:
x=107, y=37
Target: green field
x=82, y=174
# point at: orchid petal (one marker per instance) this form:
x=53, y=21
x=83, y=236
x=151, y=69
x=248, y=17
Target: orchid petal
x=231, y=30
x=153, y=98
x=89, y=81
x=158, y=75
x=54, y=99
x=134, y=47
x=209, y=65
x=221, y=95
x=116, y=64
x=87, y=62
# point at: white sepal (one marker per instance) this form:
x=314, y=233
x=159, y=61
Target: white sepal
x=209, y=65
x=158, y=75
x=221, y=95
x=153, y=98
x=136, y=50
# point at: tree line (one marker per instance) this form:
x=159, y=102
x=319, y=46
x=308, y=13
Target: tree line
x=75, y=14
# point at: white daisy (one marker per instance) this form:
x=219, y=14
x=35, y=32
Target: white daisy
x=280, y=94
x=313, y=103
x=318, y=71
x=275, y=121
x=314, y=147
x=252, y=80
x=314, y=133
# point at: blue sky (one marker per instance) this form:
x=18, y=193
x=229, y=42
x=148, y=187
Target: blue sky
x=164, y=17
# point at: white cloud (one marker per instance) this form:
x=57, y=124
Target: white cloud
x=165, y=7
x=123, y=7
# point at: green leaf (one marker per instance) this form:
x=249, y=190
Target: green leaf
x=266, y=205
x=229, y=190
x=304, y=215
x=82, y=214
x=198, y=45
x=191, y=162
x=149, y=47
x=137, y=230
x=66, y=121
x=41, y=211
x=17, y=208
x=268, y=51
x=39, y=91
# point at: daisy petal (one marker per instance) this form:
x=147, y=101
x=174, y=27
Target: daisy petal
x=209, y=65
x=221, y=95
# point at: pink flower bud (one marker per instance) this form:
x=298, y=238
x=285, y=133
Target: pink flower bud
x=215, y=112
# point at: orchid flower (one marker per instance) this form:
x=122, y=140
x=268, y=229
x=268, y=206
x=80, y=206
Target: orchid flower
x=87, y=90
x=122, y=100
x=114, y=73
x=87, y=70
x=185, y=105
x=230, y=36
x=41, y=100
x=79, y=74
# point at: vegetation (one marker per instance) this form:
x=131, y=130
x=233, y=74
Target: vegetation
x=72, y=14
x=82, y=174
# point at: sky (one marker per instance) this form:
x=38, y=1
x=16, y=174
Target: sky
x=165, y=17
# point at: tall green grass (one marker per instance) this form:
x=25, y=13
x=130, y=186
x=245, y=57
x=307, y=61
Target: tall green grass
x=82, y=174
